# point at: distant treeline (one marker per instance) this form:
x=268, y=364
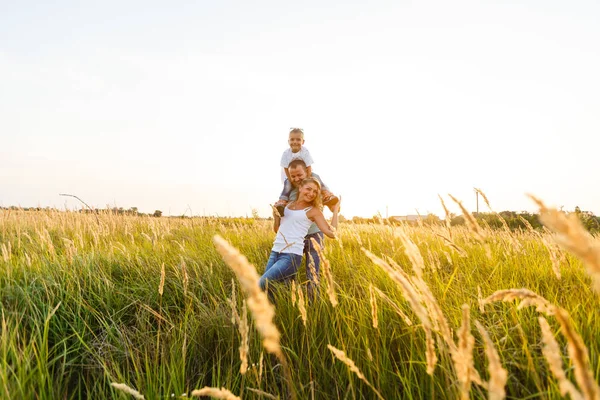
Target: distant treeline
x=514, y=220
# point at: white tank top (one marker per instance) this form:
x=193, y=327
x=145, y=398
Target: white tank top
x=294, y=227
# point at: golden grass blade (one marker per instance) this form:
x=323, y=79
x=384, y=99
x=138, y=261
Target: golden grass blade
x=579, y=356
x=408, y=290
x=244, y=332
x=373, y=302
x=412, y=251
x=498, y=375
x=448, y=217
x=430, y=355
x=551, y=352
x=571, y=235
x=341, y=355
x=263, y=312
x=326, y=269
x=126, y=389
x=470, y=220
x=397, y=309
x=302, y=305
x=527, y=297
x=463, y=357
x=216, y=393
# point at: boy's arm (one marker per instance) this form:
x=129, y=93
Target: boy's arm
x=308, y=171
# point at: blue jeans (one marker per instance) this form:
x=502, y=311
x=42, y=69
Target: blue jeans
x=310, y=253
x=280, y=267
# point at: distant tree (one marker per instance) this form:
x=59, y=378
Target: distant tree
x=157, y=213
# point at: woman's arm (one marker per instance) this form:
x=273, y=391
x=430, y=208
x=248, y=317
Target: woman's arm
x=318, y=218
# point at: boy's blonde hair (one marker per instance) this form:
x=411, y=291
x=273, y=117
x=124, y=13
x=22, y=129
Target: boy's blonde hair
x=297, y=130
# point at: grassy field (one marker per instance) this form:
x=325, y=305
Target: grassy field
x=88, y=301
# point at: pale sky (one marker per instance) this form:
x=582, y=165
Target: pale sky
x=185, y=107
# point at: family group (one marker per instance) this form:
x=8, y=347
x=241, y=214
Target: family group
x=298, y=217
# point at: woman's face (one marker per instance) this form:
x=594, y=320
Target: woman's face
x=309, y=191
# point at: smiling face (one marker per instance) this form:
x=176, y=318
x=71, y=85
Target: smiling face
x=296, y=140
x=308, y=191
x=297, y=175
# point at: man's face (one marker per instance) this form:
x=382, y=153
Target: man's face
x=297, y=175
x=295, y=141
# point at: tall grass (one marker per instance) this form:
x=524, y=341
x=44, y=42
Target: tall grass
x=143, y=302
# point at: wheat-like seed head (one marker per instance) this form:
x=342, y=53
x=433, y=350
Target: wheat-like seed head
x=161, y=285
x=579, y=355
x=498, y=375
x=244, y=332
x=262, y=311
x=551, y=352
x=302, y=305
x=126, y=389
x=413, y=253
x=570, y=234
x=341, y=355
x=470, y=220
x=216, y=393
x=463, y=357
x=527, y=297
x=408, y=290
x=448, y=217
x=430, y=352
x=326, y=268
x=394, y=306
x=373, y=302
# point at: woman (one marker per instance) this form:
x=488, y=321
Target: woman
x=286, y=254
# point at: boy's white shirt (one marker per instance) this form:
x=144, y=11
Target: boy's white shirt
x=288, y=156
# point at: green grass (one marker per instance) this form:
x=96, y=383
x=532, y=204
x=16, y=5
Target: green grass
x=80, y=309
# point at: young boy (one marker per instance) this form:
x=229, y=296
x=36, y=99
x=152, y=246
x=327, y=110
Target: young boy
x=295, y=152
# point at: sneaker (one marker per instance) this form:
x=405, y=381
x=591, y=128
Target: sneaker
x=331, y=201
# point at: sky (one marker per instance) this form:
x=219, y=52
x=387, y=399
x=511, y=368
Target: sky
x=185, y=106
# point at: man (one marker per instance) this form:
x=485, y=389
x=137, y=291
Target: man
x=298, y=172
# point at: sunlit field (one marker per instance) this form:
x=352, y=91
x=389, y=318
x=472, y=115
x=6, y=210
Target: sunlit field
x=91, y=303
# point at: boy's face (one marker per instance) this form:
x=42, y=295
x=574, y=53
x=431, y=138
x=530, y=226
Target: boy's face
x=296, y=141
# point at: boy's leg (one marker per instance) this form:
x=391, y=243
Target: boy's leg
x=313, y=263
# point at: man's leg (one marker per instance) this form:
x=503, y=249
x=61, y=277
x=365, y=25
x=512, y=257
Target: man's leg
x=313, y=263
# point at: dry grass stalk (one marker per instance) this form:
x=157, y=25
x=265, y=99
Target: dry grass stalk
x=527, y=297
x=262, y=311
x=294, y=292
x=579, y=356
x=161, y=285
x=413, y=253
x=262, y=394
x=186, y=279
x=448, y=242
x=244, y=333
x=498, y=375
x=302, y=305
x=551, y=352
x=216, y=393
x=470, y=220
x=480, y=300
x=313, y=271
x=448, y=217
x=408, y=290
x=571, y=235
x=5, y=253
x=341, y=355
x=554, y=258
x=373, y=302
x=430, y=352
x=126, y=389
x=235, y=317
x=394, y=306
x=326, y=268
x=463, y=357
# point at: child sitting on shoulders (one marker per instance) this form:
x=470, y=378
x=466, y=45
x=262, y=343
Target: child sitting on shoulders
x=297, y=151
